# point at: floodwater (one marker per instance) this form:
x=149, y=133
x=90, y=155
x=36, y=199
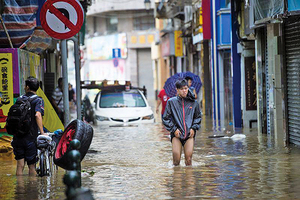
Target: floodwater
x=136, y=163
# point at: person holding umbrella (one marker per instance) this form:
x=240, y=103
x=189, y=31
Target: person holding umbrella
x=182, y=119
x=190, y=81
x=193, y=79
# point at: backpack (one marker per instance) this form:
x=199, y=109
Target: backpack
x=18, y=122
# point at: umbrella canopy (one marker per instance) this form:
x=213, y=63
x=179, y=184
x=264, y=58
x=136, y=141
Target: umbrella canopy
x=170, y=87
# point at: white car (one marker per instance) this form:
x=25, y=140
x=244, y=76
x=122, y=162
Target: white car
x=122, y=107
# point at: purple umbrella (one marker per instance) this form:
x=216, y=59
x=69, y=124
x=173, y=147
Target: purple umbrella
x=170, y=87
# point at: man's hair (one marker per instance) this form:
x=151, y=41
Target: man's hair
x=188, y=78
x=32, y=83
x=59, y=80
x=181, y=83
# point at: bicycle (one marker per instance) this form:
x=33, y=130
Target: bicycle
x=46, y=148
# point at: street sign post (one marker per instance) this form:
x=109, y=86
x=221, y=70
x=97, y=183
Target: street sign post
x=62, y=19
x=116, y=62
x=116, y=54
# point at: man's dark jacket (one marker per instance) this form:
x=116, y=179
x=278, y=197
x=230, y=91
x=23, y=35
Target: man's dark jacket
x=183, y=114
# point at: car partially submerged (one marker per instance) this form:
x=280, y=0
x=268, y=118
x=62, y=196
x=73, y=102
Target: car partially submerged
x=122, y=105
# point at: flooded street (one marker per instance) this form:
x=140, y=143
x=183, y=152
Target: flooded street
x=136, y=163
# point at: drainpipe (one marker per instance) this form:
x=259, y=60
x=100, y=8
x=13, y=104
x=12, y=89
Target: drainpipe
x=65, y=81
x=77, y=75
x=215, y=63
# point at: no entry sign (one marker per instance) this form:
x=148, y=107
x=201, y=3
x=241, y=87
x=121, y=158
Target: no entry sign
x=62, y=19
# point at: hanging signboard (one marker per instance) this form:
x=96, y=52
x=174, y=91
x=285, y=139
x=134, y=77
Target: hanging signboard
x=250, y=83
x=178, y=44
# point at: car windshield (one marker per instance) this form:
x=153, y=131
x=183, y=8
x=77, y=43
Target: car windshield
x=122, y=99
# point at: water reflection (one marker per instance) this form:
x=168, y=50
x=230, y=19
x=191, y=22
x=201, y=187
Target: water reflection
x=183, y=182
x=28, y=187
x=136, y=163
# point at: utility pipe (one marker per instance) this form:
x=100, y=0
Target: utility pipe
x=77, y=76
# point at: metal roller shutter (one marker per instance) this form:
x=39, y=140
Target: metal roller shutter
x=292, y=39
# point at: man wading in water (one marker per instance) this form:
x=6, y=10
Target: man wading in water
x=182, y=118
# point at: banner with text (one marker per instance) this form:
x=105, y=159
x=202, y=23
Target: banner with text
x=6, y=89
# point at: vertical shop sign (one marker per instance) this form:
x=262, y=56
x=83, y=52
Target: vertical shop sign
x=6, y=89
x=250, y=83
x=178, y=44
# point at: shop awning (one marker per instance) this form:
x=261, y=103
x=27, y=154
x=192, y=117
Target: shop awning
x=20, y=20
x=37, y=42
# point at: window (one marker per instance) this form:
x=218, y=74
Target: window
x=122, y=99
x=143, y=23
x=112, y=25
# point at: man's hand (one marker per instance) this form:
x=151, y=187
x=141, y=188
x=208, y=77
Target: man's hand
x=157, y=110
x=177, y=133
x=39, y=121
x=192, y=133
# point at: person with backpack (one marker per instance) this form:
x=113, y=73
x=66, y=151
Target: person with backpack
x=24, y=121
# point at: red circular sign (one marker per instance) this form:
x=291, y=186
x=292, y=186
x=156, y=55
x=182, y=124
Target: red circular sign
x=74, y=28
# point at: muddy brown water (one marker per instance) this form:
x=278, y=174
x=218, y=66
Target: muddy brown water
x=136, y=163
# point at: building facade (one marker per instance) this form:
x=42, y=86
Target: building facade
x=182, y=45
x=119, y=41
x=268, y=43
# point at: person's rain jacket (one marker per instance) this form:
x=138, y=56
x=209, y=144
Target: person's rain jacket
x=182, y=114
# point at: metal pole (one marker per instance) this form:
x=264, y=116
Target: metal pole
x=65, y=81
x=216, y=109
x=77, y=75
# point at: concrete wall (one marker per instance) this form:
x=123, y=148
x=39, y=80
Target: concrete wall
x=259, y=64
x=125, y=24
x=275, y=63
x=95, y=25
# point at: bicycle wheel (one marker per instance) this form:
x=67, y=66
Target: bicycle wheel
x=43, y=165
